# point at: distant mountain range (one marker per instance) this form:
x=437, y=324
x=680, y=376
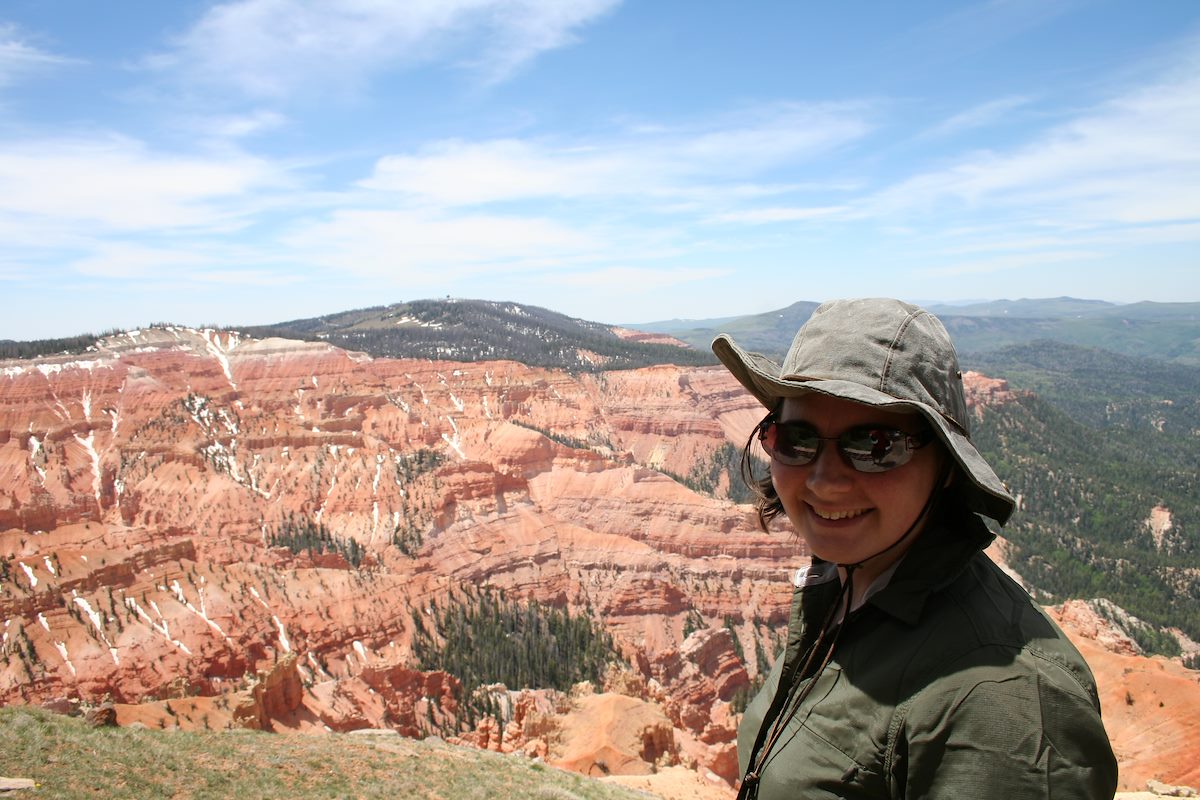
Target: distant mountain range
x=481, y=330
x=1166, y=331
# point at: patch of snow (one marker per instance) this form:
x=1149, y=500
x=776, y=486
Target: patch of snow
x=94, y=457
x=283, y=640
x=50, y=566
x=160, y=626
x=62, y=651
x=97, y=619
x=406, y=320
x=95, y=616
x=44, y=623
x=454, y=441
x=212, y=343
x=33, y=581
x=54, y=369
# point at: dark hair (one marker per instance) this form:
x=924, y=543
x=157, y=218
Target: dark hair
x=767, y=504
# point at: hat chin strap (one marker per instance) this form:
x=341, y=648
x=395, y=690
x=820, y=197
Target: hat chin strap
x=767, y=737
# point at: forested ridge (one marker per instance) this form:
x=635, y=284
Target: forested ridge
x=480, y=330
x=36, y=348
x=1102, y=441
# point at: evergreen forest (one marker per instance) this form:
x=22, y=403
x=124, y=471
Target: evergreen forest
x=482, y=637
x=301, y=534
x=1100, y=441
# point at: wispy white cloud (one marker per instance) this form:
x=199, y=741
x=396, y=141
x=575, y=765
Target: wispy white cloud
x=237, y=126
x=979, y=116
x=756, y=216
x=1135, y=159
x=683, y=162
x=116, y=183
x=1007, y=263
x=644, y=278
x=14, y=271
x=19, y=57
x=455, y=173
x=197, y=262
x=422, y=249
x=273, y=48
x=1001, y=239
x=117, y=260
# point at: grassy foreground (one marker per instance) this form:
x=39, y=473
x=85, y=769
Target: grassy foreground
x=70, y=759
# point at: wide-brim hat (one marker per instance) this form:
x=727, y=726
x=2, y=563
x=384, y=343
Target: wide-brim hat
x=882, y=353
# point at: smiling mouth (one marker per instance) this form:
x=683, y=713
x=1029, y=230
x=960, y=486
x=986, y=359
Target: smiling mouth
x=836, y=515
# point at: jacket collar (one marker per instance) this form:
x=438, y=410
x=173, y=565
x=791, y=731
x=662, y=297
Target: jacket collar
x=933, y=562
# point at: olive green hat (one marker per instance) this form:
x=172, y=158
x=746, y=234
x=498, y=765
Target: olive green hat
x=882, y=353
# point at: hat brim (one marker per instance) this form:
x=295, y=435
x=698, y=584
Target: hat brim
x=760, y=376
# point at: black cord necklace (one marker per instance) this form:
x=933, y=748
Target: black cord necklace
x=775, y=722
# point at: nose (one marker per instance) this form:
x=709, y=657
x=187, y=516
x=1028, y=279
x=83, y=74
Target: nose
x=829, y=473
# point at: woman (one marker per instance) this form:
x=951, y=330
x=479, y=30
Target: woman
x=914, y=667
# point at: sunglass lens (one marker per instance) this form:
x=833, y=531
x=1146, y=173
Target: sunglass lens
x=795, y=445
x=875, y=449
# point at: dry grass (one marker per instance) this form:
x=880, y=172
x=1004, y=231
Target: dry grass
x=70, y=759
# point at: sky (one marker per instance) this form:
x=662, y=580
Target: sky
x=255, y=161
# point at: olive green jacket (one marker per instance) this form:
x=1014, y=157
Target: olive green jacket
x=950, y=682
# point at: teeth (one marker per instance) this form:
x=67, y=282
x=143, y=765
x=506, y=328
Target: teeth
x=832, y=515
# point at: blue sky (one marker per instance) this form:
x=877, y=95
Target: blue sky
x=261, y=160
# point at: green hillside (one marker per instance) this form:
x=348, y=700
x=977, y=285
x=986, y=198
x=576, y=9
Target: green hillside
x=1085, y=498
x=70, y=759
x=1165, y=331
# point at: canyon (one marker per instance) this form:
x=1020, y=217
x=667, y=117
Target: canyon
x=146, y=485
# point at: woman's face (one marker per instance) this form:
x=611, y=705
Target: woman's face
x=844, y=515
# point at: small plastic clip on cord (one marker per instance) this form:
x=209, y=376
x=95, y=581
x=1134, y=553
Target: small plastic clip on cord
x=749, y=788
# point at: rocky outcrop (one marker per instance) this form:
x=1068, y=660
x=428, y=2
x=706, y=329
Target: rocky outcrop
x=1151, y=706
x=985, y=392
x=613, y=734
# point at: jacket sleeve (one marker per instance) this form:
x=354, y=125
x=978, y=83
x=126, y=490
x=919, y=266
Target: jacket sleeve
x=997, y=731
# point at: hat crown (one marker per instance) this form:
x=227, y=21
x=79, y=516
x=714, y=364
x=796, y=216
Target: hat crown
x=887, y=345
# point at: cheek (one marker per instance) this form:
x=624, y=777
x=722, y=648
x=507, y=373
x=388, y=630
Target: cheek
x=783, y=478
x=789, y=488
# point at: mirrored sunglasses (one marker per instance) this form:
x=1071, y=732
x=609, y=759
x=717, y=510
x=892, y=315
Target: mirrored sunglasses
x=866, y=448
